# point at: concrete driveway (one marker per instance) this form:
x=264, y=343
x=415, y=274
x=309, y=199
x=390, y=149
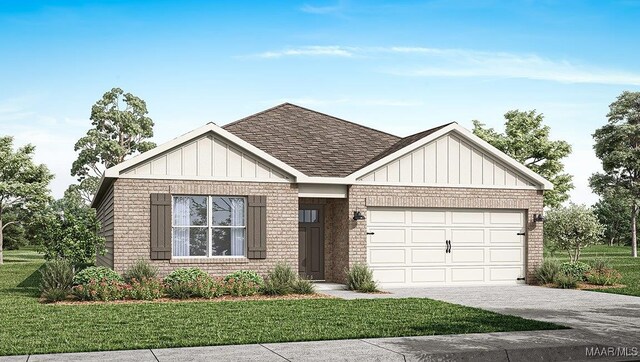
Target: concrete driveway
x=615, y=317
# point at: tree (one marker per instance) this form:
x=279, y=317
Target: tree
x=527, y=141
x=68, y=229
x=617, y=145
x=612, y=211
x=120, y=128
x=571, y=228
x=24, y=185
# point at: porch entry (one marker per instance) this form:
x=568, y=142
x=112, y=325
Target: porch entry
x=311, y=241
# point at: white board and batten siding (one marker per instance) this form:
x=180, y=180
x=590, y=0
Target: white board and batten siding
x=208, y=157
x=407, y=247
x=448, y=160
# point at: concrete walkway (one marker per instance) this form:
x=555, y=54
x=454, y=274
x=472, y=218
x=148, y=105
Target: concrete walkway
x=605, y=324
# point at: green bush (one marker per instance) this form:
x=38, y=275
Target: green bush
x=566, y=281
x=303, y=286
x=56, y=280
x=105, y=290
x=600, y=264
x=246, y=276
x=575, y=269
x=603, y=276
x=192, y=282
x=280, y=281
x=360, y=279
x=140, y=270
x=96, y=274
x=144, y=289
x=548, y=272
x=241, y=287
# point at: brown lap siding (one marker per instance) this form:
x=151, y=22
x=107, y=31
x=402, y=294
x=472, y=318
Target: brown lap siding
x=132, y=218
x=363, y=196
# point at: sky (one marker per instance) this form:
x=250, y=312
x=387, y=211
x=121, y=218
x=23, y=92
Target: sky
x=398, y=66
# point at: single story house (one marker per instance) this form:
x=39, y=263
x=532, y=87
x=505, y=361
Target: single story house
x=292, y=185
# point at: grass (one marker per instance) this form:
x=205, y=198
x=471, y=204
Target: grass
x=31, y=327
x=621, y=259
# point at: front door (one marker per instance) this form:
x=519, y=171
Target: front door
x=311, y=241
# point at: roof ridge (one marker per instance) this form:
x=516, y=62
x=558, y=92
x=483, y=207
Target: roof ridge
x=314, y=111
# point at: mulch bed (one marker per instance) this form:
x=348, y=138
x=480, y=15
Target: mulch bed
x=224, y=298
x=587, y=286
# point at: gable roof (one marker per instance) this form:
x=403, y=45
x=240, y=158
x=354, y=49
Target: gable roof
x=314, y=143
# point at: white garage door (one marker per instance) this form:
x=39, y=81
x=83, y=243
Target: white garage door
x=421, y=247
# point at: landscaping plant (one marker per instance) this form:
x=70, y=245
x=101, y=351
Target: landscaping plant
x=566, y=281
x=141, y=270
x=575, y=269
x=185, y=283
x=360, y=279
x=280, y=281
x=56, y=280
x=96, y=274
x=144, y=289
x=548, y=272
x=570, y=229
x=304, y=286
x=241, y=287
x=105, y=290
x=246, y=275
x=603, y=277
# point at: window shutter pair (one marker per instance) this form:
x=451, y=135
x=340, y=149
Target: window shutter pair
x=161, y=227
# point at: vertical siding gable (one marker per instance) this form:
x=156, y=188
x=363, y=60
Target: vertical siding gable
x=448, y=160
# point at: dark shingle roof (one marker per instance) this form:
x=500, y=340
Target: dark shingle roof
x=313, y=143
x=404, y=142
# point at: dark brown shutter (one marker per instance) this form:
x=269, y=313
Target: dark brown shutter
x=257, y=227
x=160, y=226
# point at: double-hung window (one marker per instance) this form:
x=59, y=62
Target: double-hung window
x=209, y=226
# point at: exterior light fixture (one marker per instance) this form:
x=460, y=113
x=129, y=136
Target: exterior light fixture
x=357, y=215
x=538, y=218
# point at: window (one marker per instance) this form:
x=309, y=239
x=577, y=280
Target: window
x=209, y=226
x=308, y=216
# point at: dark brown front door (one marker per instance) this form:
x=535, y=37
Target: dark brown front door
x=311, y=241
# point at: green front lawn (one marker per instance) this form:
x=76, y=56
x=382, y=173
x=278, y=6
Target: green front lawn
x=31, y=327
x=621, y=260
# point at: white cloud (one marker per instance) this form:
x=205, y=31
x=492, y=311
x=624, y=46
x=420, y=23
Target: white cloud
x=466, y=63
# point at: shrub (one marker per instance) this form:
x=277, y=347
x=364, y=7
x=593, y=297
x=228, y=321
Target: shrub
x=192, y=282
x=575, y=269
x=603, y=276
x=303, y=286
x=184, y=275
x=571, y=228
x=241, y=287
x=600, y=264
x=144, y=289
x=280, y=281
x=360, y=278
x=566, y=281
x=246, y=276
x=57, y=280
x=548, y=271
x=103, y=290
x=141, y=270
x=96, y=274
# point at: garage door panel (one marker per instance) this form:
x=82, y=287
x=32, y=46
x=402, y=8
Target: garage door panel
x=467, y=275
x=468, y=256
x=506, y=218
x=431, y=275
x=429, y=236
x=467, y=236
x=389, y=236
x=385, y=256
x=390, y=276
x=510, y=255
x=505, y=236
x=505, y=274
x=433, y=256
x=467, y=217
x=387, y=216
x=428, y=217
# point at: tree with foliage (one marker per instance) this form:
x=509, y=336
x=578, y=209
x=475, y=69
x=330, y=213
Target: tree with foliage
x=120, y=127
x=68, y=229
x=24, y=185
x=617, y=144
x=612, y=210
x=570, y=229
x=527, y=141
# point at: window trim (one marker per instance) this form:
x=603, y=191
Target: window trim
x=209, y=226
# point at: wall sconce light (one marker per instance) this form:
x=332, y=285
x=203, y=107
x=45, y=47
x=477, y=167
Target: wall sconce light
x=357, y=215
x=538, y=218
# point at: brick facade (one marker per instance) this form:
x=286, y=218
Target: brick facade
x=363, y=196
x=132, y=223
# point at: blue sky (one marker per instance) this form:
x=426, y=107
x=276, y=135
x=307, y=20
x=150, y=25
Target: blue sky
x=397, y=66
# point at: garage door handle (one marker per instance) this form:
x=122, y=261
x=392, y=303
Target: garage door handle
x=448, y=243
x=520, y=234
x=371, y=233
